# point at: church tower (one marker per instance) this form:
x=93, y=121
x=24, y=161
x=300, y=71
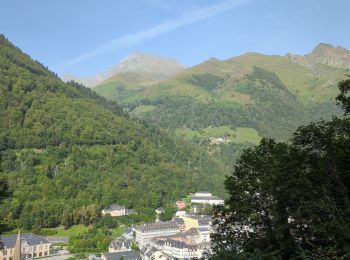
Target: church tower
x=17, y=251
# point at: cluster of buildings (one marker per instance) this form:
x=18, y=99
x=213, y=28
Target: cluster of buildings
x=21, y=246
x=198, y=198
x=185, y=237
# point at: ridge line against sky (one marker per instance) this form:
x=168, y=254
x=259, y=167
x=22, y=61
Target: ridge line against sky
x=149, y=33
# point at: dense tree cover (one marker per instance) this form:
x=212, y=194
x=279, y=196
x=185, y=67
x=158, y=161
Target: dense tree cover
x=179, y=112
x=290, y=200
x=67, y=152
x=274, y=111
x=168, y=213
x=92, y=241
x=207, y=81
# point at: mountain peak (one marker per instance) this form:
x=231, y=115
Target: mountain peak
x=324, y=46
x=146, y=63
x=323, y=53
x=149, y=67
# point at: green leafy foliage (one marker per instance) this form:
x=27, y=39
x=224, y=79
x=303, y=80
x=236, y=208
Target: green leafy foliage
x=207, y=81
x=290, y=200
x=68, y=152
x=344, y=96
x=91, y=241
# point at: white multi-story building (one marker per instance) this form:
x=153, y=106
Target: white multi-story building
x=184, y=245
x=203, y=197
x=115, y=211
x=145, y=233
x=202, y=194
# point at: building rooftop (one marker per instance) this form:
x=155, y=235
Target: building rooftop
x=203, y=220
x=114, y=207
x=191, y=232
x=207, y=198
x=172, y=243
x=158, y=226
x=130, y=255
x=128, y=230
x=178, y=220
x=9, y=241
x=120, y=243
x=150, y=251
x=204, y=229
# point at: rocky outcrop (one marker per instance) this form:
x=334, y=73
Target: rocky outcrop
x=337, y=57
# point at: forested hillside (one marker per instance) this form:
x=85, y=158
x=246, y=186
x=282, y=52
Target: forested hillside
x=270, y=94
x=239, y=100
x=66, y=152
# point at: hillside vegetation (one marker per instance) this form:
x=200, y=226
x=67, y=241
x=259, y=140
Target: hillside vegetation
x=66, y=152
x=254, y=95
x=271, y=94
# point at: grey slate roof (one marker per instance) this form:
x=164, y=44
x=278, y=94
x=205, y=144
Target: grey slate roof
x=207, y=198
x=114, y=207
x=128, y=230
x=204, y=229
x=179, y=220
x=203, y=220
x=130, y=255
x=120, y=243
x=9, y=241
x=168, y=225
x=150, y=251
x=191, y=232
x=175, y=243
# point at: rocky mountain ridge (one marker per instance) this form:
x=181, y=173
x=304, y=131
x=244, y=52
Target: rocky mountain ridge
x=327, y=54
x=150, y=68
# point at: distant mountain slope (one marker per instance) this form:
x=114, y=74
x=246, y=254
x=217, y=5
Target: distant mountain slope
x=135, y=70
x=269, y=94
x=67, y=151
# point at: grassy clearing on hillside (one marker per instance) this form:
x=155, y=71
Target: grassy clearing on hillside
x=144, y=109
x=59, y=231
x=107, y=90
x=117, y=232
x=246, y=135
x=74, y=230
x=238, y=135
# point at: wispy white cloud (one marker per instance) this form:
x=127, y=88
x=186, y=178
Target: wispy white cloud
x=164, y=27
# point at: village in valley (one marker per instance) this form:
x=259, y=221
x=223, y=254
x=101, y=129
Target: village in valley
x=186, y=235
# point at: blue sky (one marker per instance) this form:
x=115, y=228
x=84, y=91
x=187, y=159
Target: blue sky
x=86, y=37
